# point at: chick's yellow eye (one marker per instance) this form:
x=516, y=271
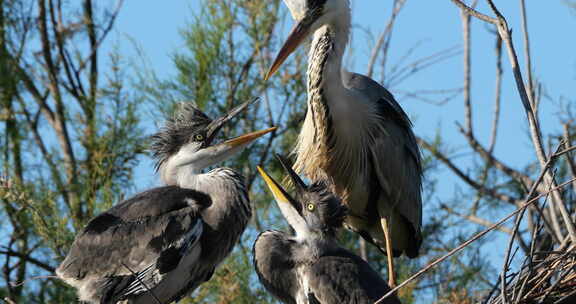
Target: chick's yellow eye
x=198, y=137
x=310, y=207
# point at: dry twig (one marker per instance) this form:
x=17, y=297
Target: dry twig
x=527, y=102
x=531, y=198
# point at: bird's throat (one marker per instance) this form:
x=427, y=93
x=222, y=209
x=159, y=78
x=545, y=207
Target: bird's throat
x=325, y=149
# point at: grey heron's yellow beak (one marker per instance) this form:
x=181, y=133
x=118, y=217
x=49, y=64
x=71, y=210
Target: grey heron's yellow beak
x=280, y=195
x=297, y=35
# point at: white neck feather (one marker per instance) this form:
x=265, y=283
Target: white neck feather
x=180, y=170
x=294, y=219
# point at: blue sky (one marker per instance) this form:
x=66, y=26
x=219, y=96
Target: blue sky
x=434, y=26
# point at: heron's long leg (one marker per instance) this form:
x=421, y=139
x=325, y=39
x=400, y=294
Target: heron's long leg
x=385, y=221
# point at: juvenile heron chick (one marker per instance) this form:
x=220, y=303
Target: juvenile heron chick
x=161, y=244
x=310, y=267
x=356, y=134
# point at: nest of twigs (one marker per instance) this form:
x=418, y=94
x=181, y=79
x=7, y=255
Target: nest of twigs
x=545, y=277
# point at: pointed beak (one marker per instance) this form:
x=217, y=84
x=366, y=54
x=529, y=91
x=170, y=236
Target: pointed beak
x=217, y=124
x=246, y=138
x=298, y=183
x=280, y=195
x=297, y=35
x=215, y=154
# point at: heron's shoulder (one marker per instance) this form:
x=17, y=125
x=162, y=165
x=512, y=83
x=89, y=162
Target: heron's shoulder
x=266, y=238
x=367, y=85
x=374, y=91
x=273, y=245
x=274, y=264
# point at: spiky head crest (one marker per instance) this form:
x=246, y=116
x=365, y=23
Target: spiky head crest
x=186, y=123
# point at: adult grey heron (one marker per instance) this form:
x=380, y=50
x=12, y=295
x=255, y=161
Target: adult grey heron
x=163, y=243
x=311, y=267
x=356, y=135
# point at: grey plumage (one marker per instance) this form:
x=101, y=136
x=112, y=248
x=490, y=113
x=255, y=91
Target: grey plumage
x=163, y=243
x=355, y=135
x=146, y=235
x=310, y=267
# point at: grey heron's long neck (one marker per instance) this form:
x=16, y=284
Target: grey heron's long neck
x=325, y=68
x=227, y=216
x=324, y=80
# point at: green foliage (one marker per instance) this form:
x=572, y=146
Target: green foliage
x=73, y=137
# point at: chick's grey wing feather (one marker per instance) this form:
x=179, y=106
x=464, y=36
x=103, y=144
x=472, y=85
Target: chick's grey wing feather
x=274, y=266
x=117, y=288
x=144, y=235
x=342, y=277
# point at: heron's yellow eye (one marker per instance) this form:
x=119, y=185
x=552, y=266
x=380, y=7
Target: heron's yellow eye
x=310, y=207
x=198, y=137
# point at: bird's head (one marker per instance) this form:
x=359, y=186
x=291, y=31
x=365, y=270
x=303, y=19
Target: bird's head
x=186, y=141
x=309, y=16
x=314, y=208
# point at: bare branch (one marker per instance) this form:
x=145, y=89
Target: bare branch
x=471, y=240
x=470, y=181
x=498, y=90
x=475, y=219
x=530, y=83
x=474, y=12
x=527, y=102
x=384, y=37
x=28, y=258
x=60, y=126
x=569, y=159
x=467, y=66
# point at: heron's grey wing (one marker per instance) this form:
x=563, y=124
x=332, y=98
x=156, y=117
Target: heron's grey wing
x=389, y=109
x=274, y=265
x=342, y=277
x=395, y=156
x=139, y=239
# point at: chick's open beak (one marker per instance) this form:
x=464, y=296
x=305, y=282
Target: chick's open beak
x=280, y=195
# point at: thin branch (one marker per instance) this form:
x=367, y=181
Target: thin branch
x=474, y=12
x=506, y=264
x=530, y=199
x=467, y=66
x=528, y=58
x=476, y=220
x=535, y=132
x=384, y=37
x=104, y=34
x=527, y=103
x=28, y=258
x=60, y=126
x=497, y=93
x=39, y=140
x=468, y=242
x=470, y=181
x=569, y=158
